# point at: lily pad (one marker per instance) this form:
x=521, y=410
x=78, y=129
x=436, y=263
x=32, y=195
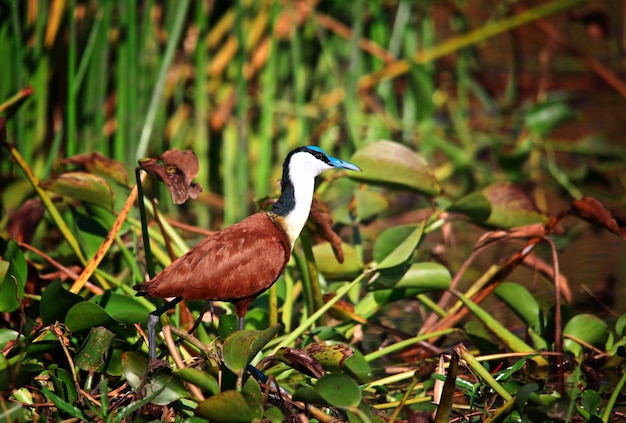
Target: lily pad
x=391, y=164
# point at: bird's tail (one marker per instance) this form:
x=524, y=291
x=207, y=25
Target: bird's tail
x=142, y=290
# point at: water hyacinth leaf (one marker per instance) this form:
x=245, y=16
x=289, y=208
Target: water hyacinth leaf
x=100, y=165
x=56, y=301
x=391, y=164
x=620, y=325
x=241, y=347
x=329, y=266
x=369, y=204
x=92, y=357
x=201, y=379
x=121, y=307
x=13, y=272
x=475, y=205
x=395, y=246
x=339, y=391
x=164, y=388
x=522, y=303
x=418, y=278
x=9, y=335
x=510, y=206
x=586, y=328
x=82, y=186
x=230, y=406
x=544, y=117
x=591, y=401
x=340, y=358
x=85, y=315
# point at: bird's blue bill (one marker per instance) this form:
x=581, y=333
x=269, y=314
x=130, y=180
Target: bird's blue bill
x=343, y=165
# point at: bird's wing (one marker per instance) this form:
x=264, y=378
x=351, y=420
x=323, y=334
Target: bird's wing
x=237, y=262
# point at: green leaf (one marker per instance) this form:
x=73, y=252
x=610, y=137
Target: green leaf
x=85, y=315
x=544, y=117
x=241, y=347
x=586, y=328
x=230, y=407
x=522, y=303
x=329, y=266
x=419, y=278
x=55, y=303
x=510, y=207
x=475, y=205
x=369, y=204
x=395, y=246
x=93, y=355
x=391, y=164
x=121, y=307
x=201, y=379
x=339, y=390
x=13, y=272
x=591, y=401
x=84, y=187
x=63, y=405
x=165, y=388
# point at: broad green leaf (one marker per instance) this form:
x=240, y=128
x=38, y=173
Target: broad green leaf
x=391, y=164
x=55, y=303
x=84, y=187
x=475, y=205
x=329, y=266
x=241, y=347
x=395, y=246
x=92, y=357
x=165, y=388
x=544, y=117
x=8, y=335
x=586, y=328
x=522, y=303
x=64, y=385
x=201, y=379
x=230, y=407
x=418, y=278
x=620, y=325
x=369, y=204
x=591, y=401
x=339, y=390
x=121, y=307
x=85, y=315
x=510, y=207
x=12, y=275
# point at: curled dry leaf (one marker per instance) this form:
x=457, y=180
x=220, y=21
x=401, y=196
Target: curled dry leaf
x=324, y=228
x=526, y=231
x=301, y=361
x=24, y=221
x=177, y=172
x=101, y=165
x=591, y=210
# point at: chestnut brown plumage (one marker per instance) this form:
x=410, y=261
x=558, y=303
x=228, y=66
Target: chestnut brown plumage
x=240, y=262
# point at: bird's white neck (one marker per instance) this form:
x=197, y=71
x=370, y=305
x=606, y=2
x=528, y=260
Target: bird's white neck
x=298, y=184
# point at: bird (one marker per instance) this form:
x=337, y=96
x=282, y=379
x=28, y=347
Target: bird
x=238, y=263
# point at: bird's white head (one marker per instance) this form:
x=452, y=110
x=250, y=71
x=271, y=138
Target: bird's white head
x=300, y=168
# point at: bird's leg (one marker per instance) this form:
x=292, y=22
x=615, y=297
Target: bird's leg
x=153, y=319
x=242, y=322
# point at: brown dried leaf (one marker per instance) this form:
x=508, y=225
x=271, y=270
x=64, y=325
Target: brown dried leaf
x=24, y=221
x=527, y=231
x=177, y=172
x=300, y=361
x=591, y=210
x=101, y=165
x=324, y=228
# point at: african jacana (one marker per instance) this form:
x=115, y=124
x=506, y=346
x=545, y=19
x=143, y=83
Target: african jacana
x=238, y=263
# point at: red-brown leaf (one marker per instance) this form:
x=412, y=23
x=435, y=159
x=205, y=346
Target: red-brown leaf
x=177, y=172
x=591, y=210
